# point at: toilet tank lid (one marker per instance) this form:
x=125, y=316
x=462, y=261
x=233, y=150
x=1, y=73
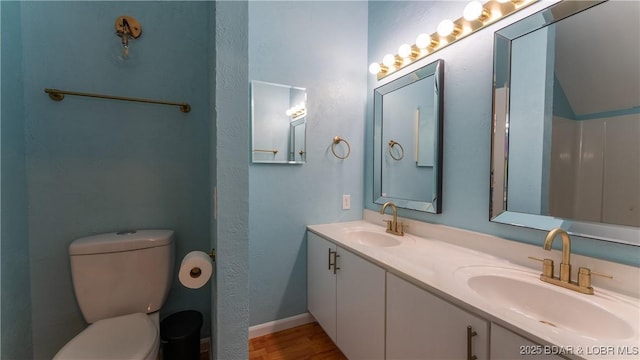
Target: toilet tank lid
x=120, y=241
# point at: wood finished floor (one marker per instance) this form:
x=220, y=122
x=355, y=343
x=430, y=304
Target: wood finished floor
x=302, y=342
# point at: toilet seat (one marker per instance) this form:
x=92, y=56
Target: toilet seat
x=131, y=337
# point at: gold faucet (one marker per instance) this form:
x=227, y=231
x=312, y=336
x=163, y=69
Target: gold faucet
x=393, y=226
x=565, y=265
x=583, y=285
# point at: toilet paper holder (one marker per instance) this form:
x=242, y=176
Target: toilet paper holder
x=196, y=272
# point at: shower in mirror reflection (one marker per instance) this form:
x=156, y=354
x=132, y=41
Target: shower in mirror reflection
x=566, y=144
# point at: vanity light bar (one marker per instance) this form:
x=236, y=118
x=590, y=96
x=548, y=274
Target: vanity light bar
x=297, y=111
x=476, y=16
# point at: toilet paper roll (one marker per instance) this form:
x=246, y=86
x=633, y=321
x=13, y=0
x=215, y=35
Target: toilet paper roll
x=196, y=269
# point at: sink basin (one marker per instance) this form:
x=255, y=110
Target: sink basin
x=522, y=292
x=373, y=238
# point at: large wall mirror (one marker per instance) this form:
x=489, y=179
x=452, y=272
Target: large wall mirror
x=566, y=132
x=278, y=123
x=408, y=140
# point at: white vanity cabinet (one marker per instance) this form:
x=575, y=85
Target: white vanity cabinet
x=321, y=283
x=421, y=325
x=346, y=295
x=506, y=345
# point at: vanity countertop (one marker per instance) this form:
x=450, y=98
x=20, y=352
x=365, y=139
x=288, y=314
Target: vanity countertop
x=443, y=268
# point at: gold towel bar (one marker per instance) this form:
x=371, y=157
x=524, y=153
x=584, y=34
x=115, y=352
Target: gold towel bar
x=58, y=95
x=274, y=151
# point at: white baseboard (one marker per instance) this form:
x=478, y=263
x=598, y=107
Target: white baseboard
x=278, y=325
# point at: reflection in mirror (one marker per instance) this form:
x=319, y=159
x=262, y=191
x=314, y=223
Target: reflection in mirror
x=278, y=123
x=408, y=140
x=566, y=132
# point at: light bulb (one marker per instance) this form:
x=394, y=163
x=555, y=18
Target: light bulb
x=445, y=28
x=389, y=60
x=404, y=50
x=423, y=41
x=374, y=68
x=473, y=10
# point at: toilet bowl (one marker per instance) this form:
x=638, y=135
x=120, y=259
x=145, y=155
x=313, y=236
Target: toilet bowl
x=133, y=336
x=120, y=281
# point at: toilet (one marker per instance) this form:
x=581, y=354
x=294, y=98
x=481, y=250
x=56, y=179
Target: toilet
x=121, y=281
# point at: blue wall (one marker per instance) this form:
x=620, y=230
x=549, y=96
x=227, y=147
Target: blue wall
x=530, y=113
x=96, y=166
x=231, y=158
x=467, y=119
x=16, y=292
x=320, y=46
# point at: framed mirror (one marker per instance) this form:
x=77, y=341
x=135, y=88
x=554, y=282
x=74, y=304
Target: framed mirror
x=278, y=123
x=408, y=140
x=566, y=131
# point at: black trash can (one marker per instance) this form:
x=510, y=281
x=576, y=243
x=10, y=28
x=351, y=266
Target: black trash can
x=180, y=334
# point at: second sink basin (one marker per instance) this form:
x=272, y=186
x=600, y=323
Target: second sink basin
x=594, y=316
x=373, y=238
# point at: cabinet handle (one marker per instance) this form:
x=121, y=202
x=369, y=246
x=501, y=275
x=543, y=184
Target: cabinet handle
x=470, y=334
x=335, y=260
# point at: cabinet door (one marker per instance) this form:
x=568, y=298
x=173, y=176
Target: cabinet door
x=421, y=325
x=506, y=345
x=321, y=283
x=361, y=288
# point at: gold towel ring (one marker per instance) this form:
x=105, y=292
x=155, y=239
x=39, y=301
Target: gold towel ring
x=393, y=143
x=337, y=140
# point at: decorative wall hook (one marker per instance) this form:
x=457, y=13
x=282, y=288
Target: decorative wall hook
x=127, y=28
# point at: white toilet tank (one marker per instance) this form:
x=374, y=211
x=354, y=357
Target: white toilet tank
x=122, y=273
